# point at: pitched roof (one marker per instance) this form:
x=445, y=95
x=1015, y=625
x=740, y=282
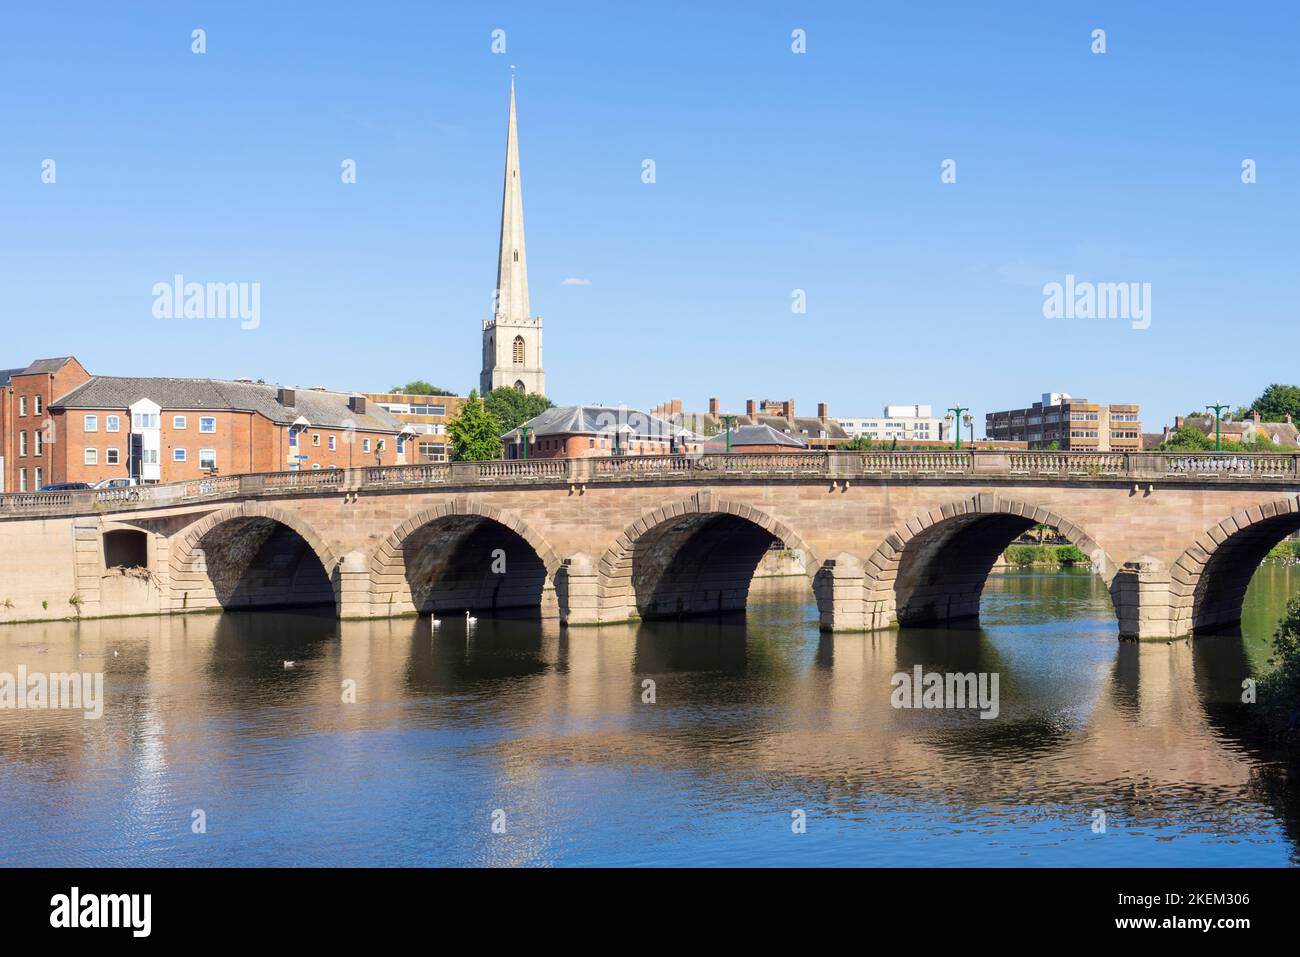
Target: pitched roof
x=600, y=420
x=327, y=410
x=755, y=435
x=7, y=375
x=46, y=365
x=800, y=425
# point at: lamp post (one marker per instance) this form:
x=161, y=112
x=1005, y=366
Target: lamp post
x=523, y=439
x=727, y=420
x=956, y=415
x=1217, y=408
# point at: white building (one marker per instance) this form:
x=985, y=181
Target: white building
x=906, y=423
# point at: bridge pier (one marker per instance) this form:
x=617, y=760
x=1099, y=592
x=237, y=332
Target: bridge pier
x=840, y=587
x=1142, y=592
x=353, y=584
x=577, y=591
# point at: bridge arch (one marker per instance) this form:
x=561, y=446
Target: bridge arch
x=1208, y=581
x=251, y=555
x=932, y=569
x=464, y=555
x=692, y=557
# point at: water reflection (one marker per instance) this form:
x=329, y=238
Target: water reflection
x=752, y=717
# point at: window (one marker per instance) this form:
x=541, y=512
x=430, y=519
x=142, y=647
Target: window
x=22, y=480
x=293, y=438
x=36, y=446
x=91, y=457
x=145, y=420
x=207, y=459
x=519, y=350
x=92, y=423
x=207, y=423
x=112, y=457
x=178, y=455
x=331, y=443
x=149, y=456
x=22, y=443
x=315, y=440
x=401, y=446
x=37, y=475
x=382, y=446
x=365, y=445
x=178, y=422
x=36, y=404
x=315, y=466
x=22, y=405
x=112, y=423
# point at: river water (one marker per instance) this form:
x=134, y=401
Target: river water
x=766, y=742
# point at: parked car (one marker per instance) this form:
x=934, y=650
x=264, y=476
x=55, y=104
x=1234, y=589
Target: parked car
x=64, y=487
x=121, y=481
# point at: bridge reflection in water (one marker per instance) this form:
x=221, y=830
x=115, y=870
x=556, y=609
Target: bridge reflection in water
x=753, y=717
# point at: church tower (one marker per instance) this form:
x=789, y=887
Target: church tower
x=512, y=339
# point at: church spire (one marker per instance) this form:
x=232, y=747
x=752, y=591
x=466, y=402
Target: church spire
x=512, y=266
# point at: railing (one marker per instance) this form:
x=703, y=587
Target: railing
x=927, y=466
x=914, y=463
x=1229, y=463
x=1068, y=463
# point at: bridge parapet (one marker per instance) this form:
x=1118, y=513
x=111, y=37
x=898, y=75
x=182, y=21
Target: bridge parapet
x=867, y=466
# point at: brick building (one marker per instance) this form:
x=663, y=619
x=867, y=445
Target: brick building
x=1062, y=421
x=58, y=423
x=588, y=431
x=818, y=432
x=427, y=417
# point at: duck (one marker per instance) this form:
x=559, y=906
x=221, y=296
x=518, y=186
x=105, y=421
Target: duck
x=470, y=619
x=290, y=664
x=436, y=621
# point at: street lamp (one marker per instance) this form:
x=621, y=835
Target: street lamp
x=1217, y=408
x=523, y=439
x=955, y=418
x=727, y=420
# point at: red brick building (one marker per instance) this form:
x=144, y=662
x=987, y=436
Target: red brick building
x=588, y=431
x=90, y=428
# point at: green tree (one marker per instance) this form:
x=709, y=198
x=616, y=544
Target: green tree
x=1277, y=402
x=420, y=387
x=859, y=443
x=475, y=432
x=1188, y=438
x=513, y=408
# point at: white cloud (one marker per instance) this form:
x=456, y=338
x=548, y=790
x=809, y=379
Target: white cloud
x=576, y=282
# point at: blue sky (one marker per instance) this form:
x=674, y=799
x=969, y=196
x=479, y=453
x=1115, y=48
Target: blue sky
x=774, y=172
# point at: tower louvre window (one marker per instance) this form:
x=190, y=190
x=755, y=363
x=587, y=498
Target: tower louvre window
x=519, y=350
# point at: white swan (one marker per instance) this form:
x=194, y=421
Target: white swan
x=289, y=664
x=436, y=622
x=470, y=619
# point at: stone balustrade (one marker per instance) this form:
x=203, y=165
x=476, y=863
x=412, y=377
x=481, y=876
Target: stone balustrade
x=989, y=466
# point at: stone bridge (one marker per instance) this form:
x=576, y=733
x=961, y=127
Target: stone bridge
x=888, y=538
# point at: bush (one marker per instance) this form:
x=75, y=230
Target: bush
x=1024, y=555
x=1070, y=555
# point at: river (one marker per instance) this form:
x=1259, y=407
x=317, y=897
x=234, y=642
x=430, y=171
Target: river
x=518, y=743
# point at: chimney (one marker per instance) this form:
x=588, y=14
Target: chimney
x=713, y=407
x=821, y=411
x=1178, y=422
x=286, y=396
x=749, y=408
x=357, y=404
x=1256, y=416
x=788, y=408
x=677, y=406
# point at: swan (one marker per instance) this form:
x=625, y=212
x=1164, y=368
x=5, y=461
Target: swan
x=290, y=664
x=470, y=619
x=436, y=622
